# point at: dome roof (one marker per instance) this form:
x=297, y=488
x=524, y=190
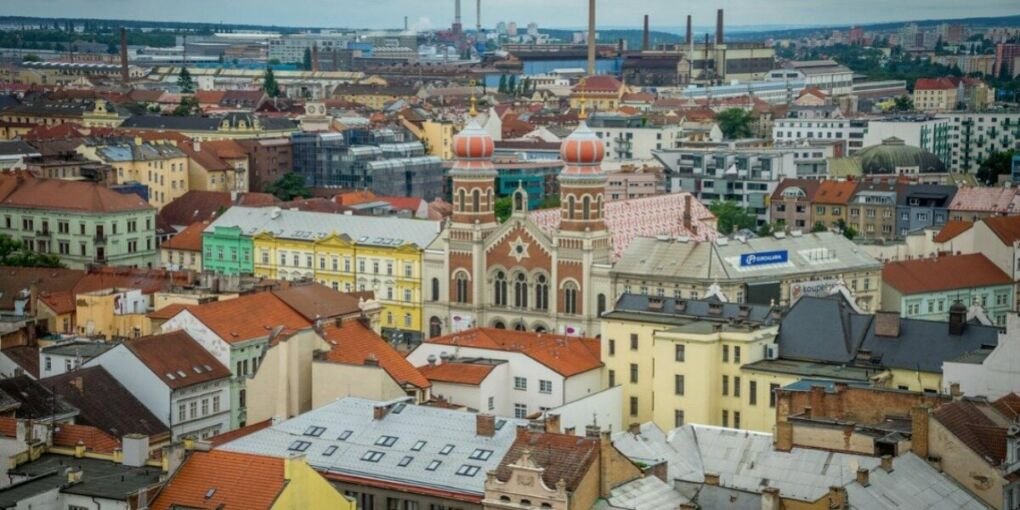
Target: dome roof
x=893, y=154
x=582, y=147
x=473, y=143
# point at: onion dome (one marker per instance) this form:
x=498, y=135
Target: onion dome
x=582, y=147
x=473, y=143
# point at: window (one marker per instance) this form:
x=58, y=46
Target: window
x=633, y=342
x=521, y=291
x=542, y=293
x=373, y=456
x=492, y=403
x=499, y=289
x=386, y=441
x=752, y=390
x=193, y=410
x=434, y=465
x=772, y=394
x=725, y=354
x=612, y=378
x=344, y=435
x=612, y=347
x=736, y=386
x=205, y=407
x=520, y=410
x=736, y=354
x=678, y=418
x=468, y=470
x=418, y=446
x=570, y=298
x=544, y=386
x=461, y=282
x=520, y=383
x=446, y=449
x=480, y=454
x=435, y=289
x=299, y=446
x=680, y=351
x=216, y=404
x=736, y=419
x=725, y=418
x=633, y=373
x=678, y=384
x=633, y=406
x=725, y=385
x=181, y=414
x=405, y=461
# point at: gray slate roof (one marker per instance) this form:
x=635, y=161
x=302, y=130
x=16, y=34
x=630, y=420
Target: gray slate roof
x=409, y=424
x=637, y=305
x=100, y=479
x=83, y=348
x=911, y=485
x=302, y=225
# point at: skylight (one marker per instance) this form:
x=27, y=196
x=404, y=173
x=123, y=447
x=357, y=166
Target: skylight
x=418, y=446
x=481, y=454
x=299, y=446
x=386, y=441
x=468, y=470
x=405, y=461
x=372, y=456
x=344, y=435
x=314, y=431
x=329, y=451
x=446, y=450
x=434, y=465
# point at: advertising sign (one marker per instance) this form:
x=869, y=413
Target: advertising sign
x=762, y=258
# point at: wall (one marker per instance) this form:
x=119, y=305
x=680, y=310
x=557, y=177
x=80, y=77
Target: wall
x=963, y=465
x=334, y=381
x=282, y=385
x=997, y=375
x=137, y=378
x=605, y=407
x=306, y=489
x=830, y=437
x=204, y=425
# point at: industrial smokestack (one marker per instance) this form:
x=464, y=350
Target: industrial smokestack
x=456, y=14
x=124, y=77
x=405, y=24
x=315, y=58
x=591, y=37
x=690, y=32
x=478, y=13
x=645, y=40
x=719, y=27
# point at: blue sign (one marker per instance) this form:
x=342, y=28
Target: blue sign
x=764, y=257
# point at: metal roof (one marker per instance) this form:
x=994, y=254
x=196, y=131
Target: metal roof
x=310, y=226
x=343, y=438
x=912, y=484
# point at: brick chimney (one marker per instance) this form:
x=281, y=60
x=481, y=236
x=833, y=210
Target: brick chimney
x=124, y=76
x=634, y=428
x=770, y=499
x=784, y=436
x=485, y=425
x=712, y=479
x=919, y=431
x=379, y=412
x=552, y=423
x=687, y=211
x=862, y=476
x=837, y=498
x=646, y=37
x=887, y=463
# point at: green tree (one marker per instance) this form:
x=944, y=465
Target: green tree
x=997, y=163
x=15, y=253
x=306, y=62
x=765, y=230
x=511, y=84
x=731, y=216
x=903, y=104
x=735, y=123
x=30, y=57
x=272, y=61
x=187, y=107
x=289, y=187
x=504, y=207
x=269, y=83
x=849, y=231
x=502, y=84
x=185, y=82
x=819, y=227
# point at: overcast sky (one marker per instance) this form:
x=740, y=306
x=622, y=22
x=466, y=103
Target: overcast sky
x=547, y=13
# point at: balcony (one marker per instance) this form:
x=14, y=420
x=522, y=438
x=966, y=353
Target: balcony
x=43, y=233
x=99, y=238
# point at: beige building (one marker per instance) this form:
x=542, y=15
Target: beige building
x=220, y=165
x=282, y=384
x=161, y=167
x=183, y=251
x=935, y=95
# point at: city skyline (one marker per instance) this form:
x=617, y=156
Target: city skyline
x=546, y=13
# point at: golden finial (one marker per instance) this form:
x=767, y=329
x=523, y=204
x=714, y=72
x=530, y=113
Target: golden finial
x=583, y=115
x=474, y=100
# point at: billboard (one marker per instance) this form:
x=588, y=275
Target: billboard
x=818, y=288
x=762, y=258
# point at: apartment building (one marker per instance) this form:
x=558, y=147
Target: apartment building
x=974, y=136
x=634, y=138
x=161, y=167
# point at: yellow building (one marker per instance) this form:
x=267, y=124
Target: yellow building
x=220, y=165
x=374, y=96
x=113, y=313
x=161, y=167
x=602, y=93
x=347, y=253
x=438, y=138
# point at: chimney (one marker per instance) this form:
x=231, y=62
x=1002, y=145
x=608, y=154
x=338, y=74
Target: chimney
x=379, y=412
x=719, y=27
x=315, y=58
x=635, y=428
x=485, y=425
x=690, y=33
x=687, y=211
x=770, y=499
x=592, y=431
x=79, y=449
x=552, y=423
x=79, y=384
x=607, y=457
x=957, y=318
x=919, y=431
x=124, y=77
x=591, y=37
x=456, y=12
x=712, y=479
x=74, y=475
x=808, y=412
x=135, y=449
x=887, y=463
x=478, y=14
x=837, y=498
x=406, y=26
x=645, y=38
x=784, y=436
x=887, y=324
x=862, y=476
x=954, y=390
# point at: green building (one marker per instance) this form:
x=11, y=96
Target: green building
x=226, y=250
x=80, y=222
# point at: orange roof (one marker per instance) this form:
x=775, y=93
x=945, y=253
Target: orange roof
x=29, y=192
x=951, y=229
x=567, y=355
x=209, y=96
x=68, y=435
x=189, y=239
x=835, y=192
x=147, y=280
x=354, y=197
x=934, y=84
x=943, y=273
x=599, y=83
x=224, y=480
x=458, y=373
x=248, y=317
x=60, y=302
x=1006, y=228
x=354, y=344
x=168, y=311
x=176, y=359
x=226, y=437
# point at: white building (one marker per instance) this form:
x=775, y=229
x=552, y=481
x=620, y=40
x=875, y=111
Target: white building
x=67, y=356
x=176, y=379
x=633, y=139
x=833, y=78
x=974, y=136
x=509, y=373
x=990, y=372
x=291, y=48
x=849, y=131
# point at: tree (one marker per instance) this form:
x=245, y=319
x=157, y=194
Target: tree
x=306, y=62
x=269, y=84
x=734, y=123
x=185, y=82
x=187, y=107
x=15, y=253
x=997, y=163
x=30, y=57
x=731, y=216
x=504, y=207
x=511, y=85
x=502, y=84
x=903, y=104
x=289, y=187
x=819, y=227
x=765, y=230
x=848, y=231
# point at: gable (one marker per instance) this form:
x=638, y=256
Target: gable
x=519, y=245
x=202, y=334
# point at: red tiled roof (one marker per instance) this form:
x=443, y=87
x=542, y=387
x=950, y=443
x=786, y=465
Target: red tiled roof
x=353, y=344
x=984, y=199
x=809, y=186
x=68, y=435
x=189, y=239
x=835, y=192
x=177, y=359
x=980, y=432
x=566, y=355
x=457, y=373
x=226, y=437
x=224, y=480
x=563, y=457
x=943, y=273
x=59, y=194
x=168, y=311
x=934, y=84
x=209, y=96
x=197, y=205
x=599, y=83
x=248, y=317
x=59, y=302
x=148, y=281
x=1008, y=405
x=316, y=301
x=404, y=203
x=1006, y=228
x=951, y=229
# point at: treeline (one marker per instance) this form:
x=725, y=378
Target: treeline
x=62, y=40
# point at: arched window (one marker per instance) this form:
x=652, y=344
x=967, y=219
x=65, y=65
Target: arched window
x=521, y=291
x=461, y=200
x=601, y=304
x=435, y=289
x=570, y=298
x=499, y=325
x=598, y=207
x=435, y=327
x=518, y=202
x=570, y=207
x=491, y=204
x=476, y=201
x=542, y=293
x=499, y=289
x=586, y=207
x=520, y=326
x=461, y=282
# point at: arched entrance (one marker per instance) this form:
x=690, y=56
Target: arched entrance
x=435, y=327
